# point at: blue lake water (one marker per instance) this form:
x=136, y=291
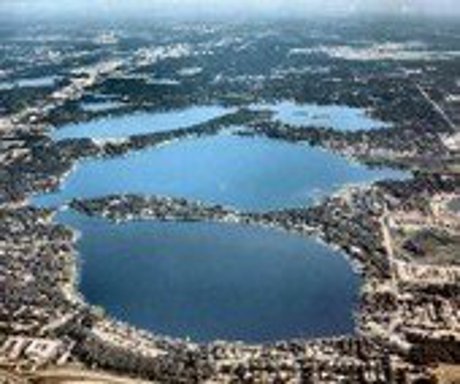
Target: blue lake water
x=242, y=172
x=163, y=81
x=45, y=81
x=215, y=281
x=100, y=106
x=139, y=123
x=332, y=116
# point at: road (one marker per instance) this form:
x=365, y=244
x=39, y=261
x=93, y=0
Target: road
x=437, y=108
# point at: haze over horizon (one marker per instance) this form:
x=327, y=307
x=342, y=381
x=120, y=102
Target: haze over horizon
x=194, y=8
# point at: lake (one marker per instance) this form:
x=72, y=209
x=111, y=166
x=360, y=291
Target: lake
x=39, y=82
x=138, y=123
x=254, y=174
x=100, y=106
x=339, y=117
x=213, y=281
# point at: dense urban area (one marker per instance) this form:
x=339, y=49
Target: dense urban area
x=401, y=236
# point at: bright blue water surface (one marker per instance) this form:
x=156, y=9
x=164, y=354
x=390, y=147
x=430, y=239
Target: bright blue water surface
x=339, y=117
x=215, y=281
x=139, y=123
x=245, y=173
x=100, y=106
x=45, y=81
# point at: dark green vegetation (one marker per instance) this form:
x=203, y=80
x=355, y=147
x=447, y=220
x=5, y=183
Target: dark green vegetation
x=435, y=246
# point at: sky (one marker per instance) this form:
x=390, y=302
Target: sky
x=227, y=7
